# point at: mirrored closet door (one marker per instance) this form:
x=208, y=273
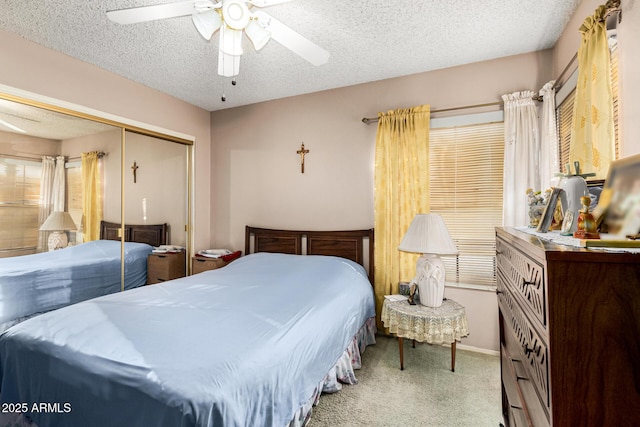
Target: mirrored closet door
x=156, y=189
x=68, y=178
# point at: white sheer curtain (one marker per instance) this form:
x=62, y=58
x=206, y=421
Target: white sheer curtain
x=59, y=184
x=521, y=156
x=46, y=198
x=548, y=138
x=52, y=193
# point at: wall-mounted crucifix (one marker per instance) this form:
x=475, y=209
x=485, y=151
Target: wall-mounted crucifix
x=302, y=152
x=134, y=168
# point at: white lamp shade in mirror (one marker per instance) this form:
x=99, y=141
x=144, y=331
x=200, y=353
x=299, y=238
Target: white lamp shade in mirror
x=429, y=236
x=58, y=222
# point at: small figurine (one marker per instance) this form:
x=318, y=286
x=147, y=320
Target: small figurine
x=534, y=197
x=412, y=294
x=586, y=222
x=536, y=207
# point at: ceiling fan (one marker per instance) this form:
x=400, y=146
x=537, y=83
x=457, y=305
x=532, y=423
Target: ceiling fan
x=232, y=18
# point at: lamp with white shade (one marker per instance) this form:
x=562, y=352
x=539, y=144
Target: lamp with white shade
x=428, y=235
x=58, y=223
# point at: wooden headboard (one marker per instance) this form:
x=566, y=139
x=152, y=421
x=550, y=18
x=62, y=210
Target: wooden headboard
x=346, y=244
x=154, y=235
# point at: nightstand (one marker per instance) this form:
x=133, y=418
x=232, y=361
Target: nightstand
x=162, y=267
x=200, y=264
x=435, y=325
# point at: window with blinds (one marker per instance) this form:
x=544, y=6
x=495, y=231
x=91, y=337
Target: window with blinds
x=466, y=173
x=564, y=116
x=19, y=198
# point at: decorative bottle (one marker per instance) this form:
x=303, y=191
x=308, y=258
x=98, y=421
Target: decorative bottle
x=586, y=222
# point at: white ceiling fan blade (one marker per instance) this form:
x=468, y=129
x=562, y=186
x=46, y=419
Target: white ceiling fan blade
x=135, y=15
x=207, y=23
x=292, y=40
x=266, y=3
x=230, y=52
x=12, y=127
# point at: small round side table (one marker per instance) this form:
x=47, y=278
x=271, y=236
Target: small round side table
x=435, y=325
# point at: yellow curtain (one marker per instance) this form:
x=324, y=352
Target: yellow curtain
x=592, y=137
x=91, y=197
x=401, y=192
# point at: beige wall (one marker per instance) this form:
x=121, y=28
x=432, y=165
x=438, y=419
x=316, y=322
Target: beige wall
x=159, y=193
x=629, y=36
x=16, y=144
x=30, y=67
x=160, y=187
x=629, y=66
x=256, y=173
x=108, y=142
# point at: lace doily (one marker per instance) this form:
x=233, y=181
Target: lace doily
x=435, y=325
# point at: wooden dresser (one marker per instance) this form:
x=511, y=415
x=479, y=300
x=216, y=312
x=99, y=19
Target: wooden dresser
x=569, y=333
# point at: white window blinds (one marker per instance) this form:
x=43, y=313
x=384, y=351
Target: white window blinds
x=19, y=196
x=466, y=173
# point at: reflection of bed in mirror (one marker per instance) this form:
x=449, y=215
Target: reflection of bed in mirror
x=253, y=343
x=33, y=284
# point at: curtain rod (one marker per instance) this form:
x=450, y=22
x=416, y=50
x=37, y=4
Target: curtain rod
x=38, y=158
x=35, y=158
x=559, y=82
x=613, y=8
x=367, y=120
x=101, y=154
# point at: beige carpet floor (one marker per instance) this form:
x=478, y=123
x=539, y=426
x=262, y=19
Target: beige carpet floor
x=426, y=393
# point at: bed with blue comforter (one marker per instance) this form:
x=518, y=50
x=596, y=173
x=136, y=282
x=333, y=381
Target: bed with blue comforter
x=37, y=283
x=249, y=344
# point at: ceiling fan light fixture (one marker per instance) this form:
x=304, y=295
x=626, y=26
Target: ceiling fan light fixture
x=232, y=18
x=228, y=65
x=229, y=52
x=230, y=41
x=235, y=14
x=257, y=34
x=207, y=23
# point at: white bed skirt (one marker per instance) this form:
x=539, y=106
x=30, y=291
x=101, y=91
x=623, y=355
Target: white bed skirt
x=343, y=371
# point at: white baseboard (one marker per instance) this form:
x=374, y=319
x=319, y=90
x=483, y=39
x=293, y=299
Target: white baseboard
x=478, y=349
x=460, y=346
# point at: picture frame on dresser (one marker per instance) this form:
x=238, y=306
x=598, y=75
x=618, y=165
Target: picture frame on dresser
x=620, y=197
x=549, y=210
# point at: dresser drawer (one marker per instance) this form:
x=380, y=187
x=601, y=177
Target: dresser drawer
x=514, y=411
x=163, y=267
x=525, y=278
x=199, y=264
x=524, y=345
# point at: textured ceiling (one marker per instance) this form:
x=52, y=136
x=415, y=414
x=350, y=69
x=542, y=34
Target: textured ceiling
x=25, y=119
x=368, y=41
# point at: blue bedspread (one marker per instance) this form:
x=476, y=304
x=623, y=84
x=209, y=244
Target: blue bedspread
x=41, y=282
x=244, y=345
